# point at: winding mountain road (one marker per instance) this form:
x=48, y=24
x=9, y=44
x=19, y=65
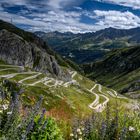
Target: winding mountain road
x=74, y=74
x=8, y=69
x=30, y=77
x=96, y=101
x=8, y=76
x=39, y=81
x=95, y=105
x=13, y=66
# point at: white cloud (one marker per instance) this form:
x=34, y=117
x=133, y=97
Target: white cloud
x=51, y=21
x=59, y=4
x=64, y=21
x=14, y=2
x=60, y=20
x=116, y=19
x=20, y=20
x=70, y=21
x=55, y=4
x=135, y=4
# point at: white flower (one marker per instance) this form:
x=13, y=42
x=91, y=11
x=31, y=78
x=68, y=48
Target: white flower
x=5, y=106
x=78, y=130
x=82, y=128
x=19, y=125
x=80, y=133
x=71, y=135
x=9, y=113
x=80, y=139
x=131, y=128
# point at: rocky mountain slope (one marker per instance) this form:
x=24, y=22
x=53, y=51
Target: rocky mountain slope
x=89, y=47
x=119, y=70
x=22, y=48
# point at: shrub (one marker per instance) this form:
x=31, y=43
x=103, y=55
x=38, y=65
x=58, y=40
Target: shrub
x=30, y=125
x=112, y=126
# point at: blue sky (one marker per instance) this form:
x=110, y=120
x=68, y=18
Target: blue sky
x=71, y=15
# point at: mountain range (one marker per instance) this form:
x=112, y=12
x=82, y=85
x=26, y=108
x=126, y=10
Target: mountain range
x=111, y=56
x=89, y=47
x=32, y=71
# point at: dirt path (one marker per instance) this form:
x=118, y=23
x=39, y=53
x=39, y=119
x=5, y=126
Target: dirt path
x=30, y=77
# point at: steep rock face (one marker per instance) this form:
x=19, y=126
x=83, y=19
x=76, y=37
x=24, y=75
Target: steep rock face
x=14, y=50
x=17, y=51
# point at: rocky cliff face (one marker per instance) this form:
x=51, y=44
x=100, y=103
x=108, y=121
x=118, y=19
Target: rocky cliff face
x=17, y=51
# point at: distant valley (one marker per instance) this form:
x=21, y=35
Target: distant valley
x=89, y=47
x=110, y=56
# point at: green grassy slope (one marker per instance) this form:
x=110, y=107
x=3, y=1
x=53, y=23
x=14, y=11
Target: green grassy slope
x=119, y=70
x=75, y=96
x=61, y=102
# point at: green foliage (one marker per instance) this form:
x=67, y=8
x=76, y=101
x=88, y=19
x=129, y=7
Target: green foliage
x=74, y=66
x=2, y=62
x=45, y=129
x=114, y=125
x=20, y=122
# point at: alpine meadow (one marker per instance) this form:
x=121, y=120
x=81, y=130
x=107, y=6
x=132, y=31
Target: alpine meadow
x=70, y=70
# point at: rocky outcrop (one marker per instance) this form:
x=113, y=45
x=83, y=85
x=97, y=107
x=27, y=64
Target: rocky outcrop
x=17, y=51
